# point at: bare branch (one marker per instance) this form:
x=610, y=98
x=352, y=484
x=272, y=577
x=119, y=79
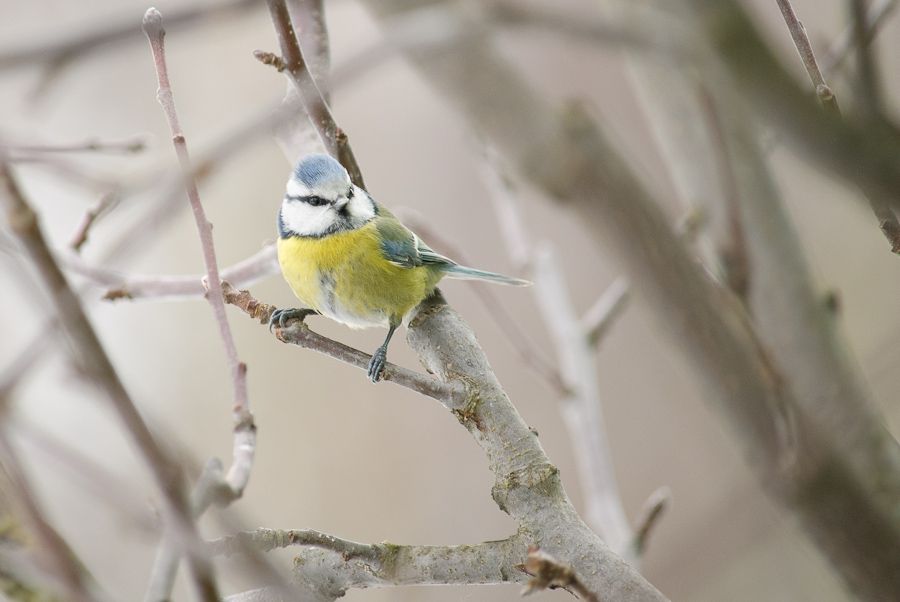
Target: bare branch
x=653, y=510
x=842, y=45
x=106, y=202
x=135, y=144
x=133, y=287
x=66, y=49
x=523, y=345
x=571, y=160
x=868, y=93
x=804, y=48
x=52, y=552
x=580, y=404
x=605, y=311
x=244, y=445
x=328, y=566
x=868, y=88
x=452, y=395
x=294, y=65
x=92, y=358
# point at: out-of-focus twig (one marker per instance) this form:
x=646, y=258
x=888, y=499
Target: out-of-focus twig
x=106, y=202
x=842, y=45
x=605, y=311
x=95, y=363
x=52, y=552
x=580, y=405
x=509, y=326
x=65, y=49
x=244, y=445
x=121, y=285
x=653, y=509
x=824, y=466
x=868, y=94
x=868, y=85
x=132, y=145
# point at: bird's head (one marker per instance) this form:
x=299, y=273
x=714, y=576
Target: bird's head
x=320, y=199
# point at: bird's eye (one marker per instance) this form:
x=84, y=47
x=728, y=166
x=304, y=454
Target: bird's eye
x=350, y=193
x=315, y=201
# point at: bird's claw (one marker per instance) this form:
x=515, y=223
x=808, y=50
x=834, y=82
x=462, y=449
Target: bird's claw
x=376, y=364
x=280, y=317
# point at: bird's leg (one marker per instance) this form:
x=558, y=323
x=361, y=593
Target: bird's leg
x=379, y=358
x=280, y=317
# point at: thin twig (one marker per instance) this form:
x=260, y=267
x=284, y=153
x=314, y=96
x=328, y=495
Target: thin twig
x=93, y=360
x=52, y=550
x=293, y=64
x=581, y=405
x=106, y=202
x=120, y=285
x=881, y=207
x=605, y=311
x=842, y=46
x=868, y=88
x=132, y=145
x=66, y=49
x=653, y=509
x=244, y=445
x=801, y=41
x=452, y=395
x=527, y=350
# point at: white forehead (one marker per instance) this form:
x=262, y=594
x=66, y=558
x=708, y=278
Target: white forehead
x=320, y=175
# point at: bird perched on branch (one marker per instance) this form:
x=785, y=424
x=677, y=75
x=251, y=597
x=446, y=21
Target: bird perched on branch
x=346, y=257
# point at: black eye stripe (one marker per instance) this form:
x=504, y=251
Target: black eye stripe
x=315, y=201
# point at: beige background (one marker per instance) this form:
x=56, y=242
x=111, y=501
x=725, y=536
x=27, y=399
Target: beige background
x=375, y=463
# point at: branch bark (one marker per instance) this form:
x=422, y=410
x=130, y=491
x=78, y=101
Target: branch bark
x=800, y=457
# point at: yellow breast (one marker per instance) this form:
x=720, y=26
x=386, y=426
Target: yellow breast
x=346, y=277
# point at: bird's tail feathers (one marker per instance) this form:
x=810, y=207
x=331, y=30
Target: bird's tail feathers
x=461, y=272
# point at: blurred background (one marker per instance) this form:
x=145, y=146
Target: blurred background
x=335, y=453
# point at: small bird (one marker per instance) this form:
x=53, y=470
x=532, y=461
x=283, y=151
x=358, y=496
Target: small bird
x=346, y=257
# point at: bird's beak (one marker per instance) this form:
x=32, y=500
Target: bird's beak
x=341, y=203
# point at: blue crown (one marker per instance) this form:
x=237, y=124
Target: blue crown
x=314, y=170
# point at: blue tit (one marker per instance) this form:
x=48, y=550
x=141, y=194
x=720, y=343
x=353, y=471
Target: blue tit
x=346, y=257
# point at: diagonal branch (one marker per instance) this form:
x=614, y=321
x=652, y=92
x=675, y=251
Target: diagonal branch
x=95, y=363
x=806, y=461
x=294, y=65
x=887, y=218
x=452, y=395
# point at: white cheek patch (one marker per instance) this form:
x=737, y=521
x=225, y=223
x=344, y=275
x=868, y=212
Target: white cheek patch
x=360, y=207
x=306, y=220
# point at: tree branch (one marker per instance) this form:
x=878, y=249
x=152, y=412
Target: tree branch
x=802, y=461
x=120, y=285
x=294, y=65
x=887, y=219
x=328, y=566
x=65, y=49
x=581, y=406
x=232, y=483
x=94, y=362
x=453, y=395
